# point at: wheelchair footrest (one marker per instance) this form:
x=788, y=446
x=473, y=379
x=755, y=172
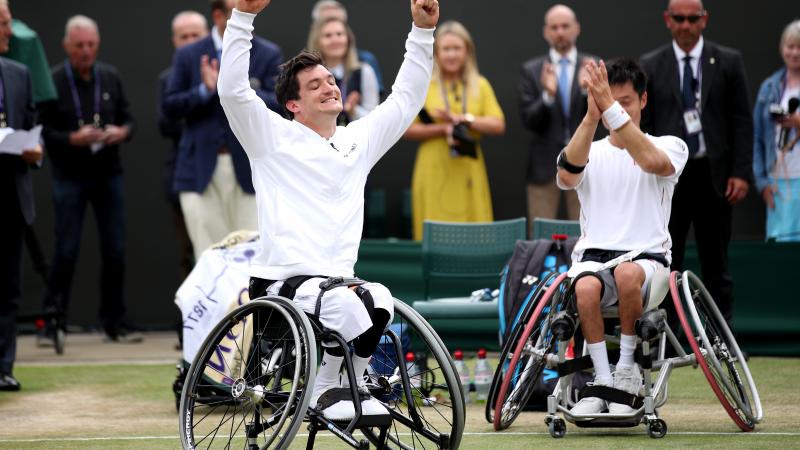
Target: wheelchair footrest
x=378, y=420
x=608, y=423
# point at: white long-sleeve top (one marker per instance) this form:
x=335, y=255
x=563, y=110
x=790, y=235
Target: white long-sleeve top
x=310, y=190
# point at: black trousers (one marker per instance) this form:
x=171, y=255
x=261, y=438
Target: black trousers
x=697, y=203
x=12, y=230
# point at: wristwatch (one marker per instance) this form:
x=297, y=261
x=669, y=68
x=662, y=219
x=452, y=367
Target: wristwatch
x=469, y=119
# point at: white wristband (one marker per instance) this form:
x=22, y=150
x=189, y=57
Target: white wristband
x=615, y=116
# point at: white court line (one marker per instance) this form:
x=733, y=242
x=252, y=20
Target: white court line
x=510, y=433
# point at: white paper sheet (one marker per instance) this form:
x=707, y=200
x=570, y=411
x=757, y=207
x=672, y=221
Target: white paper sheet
x=15, y=141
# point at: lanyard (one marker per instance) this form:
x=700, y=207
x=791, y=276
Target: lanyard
x=447, y=102
x=3, y=121
x=77, y=101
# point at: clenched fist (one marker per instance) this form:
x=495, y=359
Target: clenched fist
x=251, y=6
x=425, y=13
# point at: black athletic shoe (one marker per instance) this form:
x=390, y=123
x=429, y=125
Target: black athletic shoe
x=9, y=383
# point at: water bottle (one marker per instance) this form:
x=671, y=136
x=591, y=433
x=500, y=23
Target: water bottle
x=413, y=370
x=463, y=373
x=483, y=377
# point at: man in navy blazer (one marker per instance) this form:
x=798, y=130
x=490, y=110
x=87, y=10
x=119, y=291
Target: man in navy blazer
x=212, y=173
x=16, y=197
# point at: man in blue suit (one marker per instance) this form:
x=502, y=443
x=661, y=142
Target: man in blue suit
x=16, y=197
x=212, y=173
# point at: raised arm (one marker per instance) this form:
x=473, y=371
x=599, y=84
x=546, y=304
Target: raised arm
x=387, y=123
x=649, y=157
x=250, y=119
x=576, y=153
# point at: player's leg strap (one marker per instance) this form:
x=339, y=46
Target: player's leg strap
x=612, y=395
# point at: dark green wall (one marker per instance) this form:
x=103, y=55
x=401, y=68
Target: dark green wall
x=136, y=38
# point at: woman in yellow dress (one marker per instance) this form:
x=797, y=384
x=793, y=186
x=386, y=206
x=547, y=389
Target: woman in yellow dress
x=449, y=181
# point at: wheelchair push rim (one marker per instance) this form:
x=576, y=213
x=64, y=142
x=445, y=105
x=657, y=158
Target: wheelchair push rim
x=504, y=417
x=437, y=404
x=716, y=350
x=263, y=400
x=508, y=347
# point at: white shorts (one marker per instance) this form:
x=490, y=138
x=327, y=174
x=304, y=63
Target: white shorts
x=341, y=309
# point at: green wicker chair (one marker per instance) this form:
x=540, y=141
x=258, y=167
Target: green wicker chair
x=546, y=228
x=468, y=250
x=471, y=255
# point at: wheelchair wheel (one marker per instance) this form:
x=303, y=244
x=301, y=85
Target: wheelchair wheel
x=716, y=350
x=246, y=385
x=528, y=359
x=510, y=344
x=436, y=404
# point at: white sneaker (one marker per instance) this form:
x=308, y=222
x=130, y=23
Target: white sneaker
x=628, y=379
x=373, y=407
x=590, y=405
x=333, y=409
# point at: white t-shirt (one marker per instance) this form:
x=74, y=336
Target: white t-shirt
x=310, y=190
x=622, y=206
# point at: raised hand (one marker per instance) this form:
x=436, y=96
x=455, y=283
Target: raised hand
x=425, y=13
x=593, y=112
x=209, y=72
x=251, y=6
x=548, y=79
x=597, y=77
x=353, y=99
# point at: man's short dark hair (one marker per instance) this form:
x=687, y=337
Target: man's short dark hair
x=287, y=87
x=623, y=70
x=221, y=5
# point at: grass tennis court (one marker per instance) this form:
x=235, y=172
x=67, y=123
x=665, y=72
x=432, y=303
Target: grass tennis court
x=132, y=407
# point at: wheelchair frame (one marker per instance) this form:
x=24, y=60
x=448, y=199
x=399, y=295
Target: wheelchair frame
x=547, y=327
x=262, y=396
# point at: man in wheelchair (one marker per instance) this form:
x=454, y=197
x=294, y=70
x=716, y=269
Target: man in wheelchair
x=309, y=177
x=625, y=184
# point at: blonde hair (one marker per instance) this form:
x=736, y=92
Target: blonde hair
x=350, y=62
x=791, y=32
x=469, y=74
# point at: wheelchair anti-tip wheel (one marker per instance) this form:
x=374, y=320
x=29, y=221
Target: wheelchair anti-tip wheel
x=434, y=404
x=529, y=357
x=246, y=387
x=511, y=343
x=717, y=352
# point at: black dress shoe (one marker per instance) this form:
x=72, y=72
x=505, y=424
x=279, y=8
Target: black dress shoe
x=9, y=383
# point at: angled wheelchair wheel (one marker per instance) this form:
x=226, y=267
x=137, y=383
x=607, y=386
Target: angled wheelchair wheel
x=246, y=387
x=529, y=357
x=427, y=411
x=717, y=352
x=510, y=344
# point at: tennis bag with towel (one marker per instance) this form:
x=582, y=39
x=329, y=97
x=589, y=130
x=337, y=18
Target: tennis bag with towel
x=530, y=264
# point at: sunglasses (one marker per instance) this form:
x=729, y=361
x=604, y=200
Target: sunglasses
x=679, y=18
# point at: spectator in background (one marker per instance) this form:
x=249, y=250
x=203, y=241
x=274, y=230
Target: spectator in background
x=333, y=39
x=776, y=152
x=717, y=127
x=83, y=131
x=324, y=9
x=552, y=104
x=187, y=27
x=16, y=197
x=26, y=48
x=449, y=181
x=212, y=173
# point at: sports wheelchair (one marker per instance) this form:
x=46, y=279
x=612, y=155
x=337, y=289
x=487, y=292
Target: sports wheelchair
x=250, y=384
x=541, y=338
